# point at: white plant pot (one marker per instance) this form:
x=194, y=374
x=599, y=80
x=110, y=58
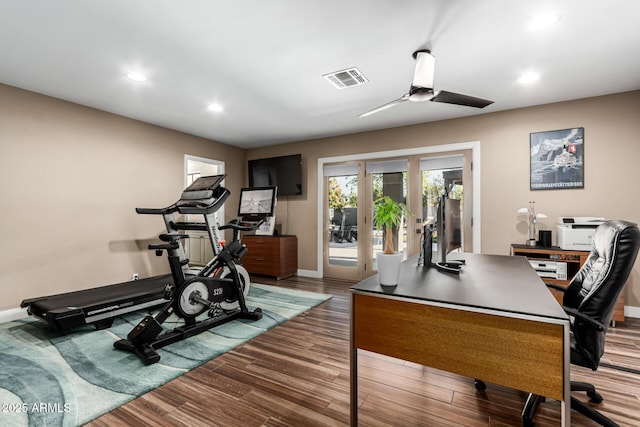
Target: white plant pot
x=389, y=268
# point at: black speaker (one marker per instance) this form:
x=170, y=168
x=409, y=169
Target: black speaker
x=545, y=238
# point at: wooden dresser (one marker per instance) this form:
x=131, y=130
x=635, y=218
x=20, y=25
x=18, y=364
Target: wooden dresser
x=573, y=259
x=275, y=256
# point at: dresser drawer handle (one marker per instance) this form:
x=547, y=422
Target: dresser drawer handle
x=260, y=259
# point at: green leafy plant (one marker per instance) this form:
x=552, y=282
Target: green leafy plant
x=387, y=213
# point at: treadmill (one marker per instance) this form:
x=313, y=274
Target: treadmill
x=98, y=306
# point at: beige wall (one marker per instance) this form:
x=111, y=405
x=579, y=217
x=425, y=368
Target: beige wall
x=70, y=178
x=612, y=152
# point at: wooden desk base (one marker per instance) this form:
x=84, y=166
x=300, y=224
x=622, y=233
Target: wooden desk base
x=521, y=353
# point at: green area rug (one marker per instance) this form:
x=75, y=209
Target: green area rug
x=50, y=379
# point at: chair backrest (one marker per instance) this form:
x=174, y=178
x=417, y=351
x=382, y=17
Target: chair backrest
x=337, y=218
x=594, y=290
x=351, y=217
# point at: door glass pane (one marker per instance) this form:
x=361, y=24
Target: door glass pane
x=434, y=184
x=198, y=248
x=343, y=220
x=394, y=185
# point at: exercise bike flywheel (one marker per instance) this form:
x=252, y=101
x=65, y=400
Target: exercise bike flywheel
x=245, y=283
x=187, y=305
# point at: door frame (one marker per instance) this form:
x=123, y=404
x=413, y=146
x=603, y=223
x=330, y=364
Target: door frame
x=474, y=146
x=350, y=273
x=199, y=239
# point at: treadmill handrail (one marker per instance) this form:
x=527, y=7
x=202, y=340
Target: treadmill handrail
x=157, y=211
x=191, y=206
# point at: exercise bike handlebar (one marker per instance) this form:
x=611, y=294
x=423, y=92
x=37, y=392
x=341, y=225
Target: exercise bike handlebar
x=241, y=226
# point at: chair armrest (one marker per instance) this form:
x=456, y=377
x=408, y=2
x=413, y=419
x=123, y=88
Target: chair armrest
x=579, y=315
x=556, y=287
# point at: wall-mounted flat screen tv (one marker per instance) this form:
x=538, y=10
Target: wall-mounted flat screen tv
x=285, y=172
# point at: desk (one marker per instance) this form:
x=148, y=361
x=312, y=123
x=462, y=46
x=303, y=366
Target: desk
x=496, y=322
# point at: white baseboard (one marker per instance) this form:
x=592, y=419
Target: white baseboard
x=13, y=314
x=630, y=311
x=310, y=273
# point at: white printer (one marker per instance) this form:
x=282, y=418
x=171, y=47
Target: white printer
x=551, y=269
x=576, y=232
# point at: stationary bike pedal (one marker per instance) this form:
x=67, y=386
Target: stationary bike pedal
x=216, y=312
x=168, y=290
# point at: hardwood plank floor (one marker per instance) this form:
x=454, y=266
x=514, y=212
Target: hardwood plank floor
x=298, y=375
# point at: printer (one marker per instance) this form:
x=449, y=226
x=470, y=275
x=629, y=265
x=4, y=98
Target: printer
x=576, y=232
x=551, y=269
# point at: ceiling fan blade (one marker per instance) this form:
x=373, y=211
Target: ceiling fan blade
x=459, y=99
x=404, y=98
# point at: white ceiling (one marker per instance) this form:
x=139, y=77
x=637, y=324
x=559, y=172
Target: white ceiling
x=263, y=60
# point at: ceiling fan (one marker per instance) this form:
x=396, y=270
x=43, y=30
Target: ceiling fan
x=422, y=88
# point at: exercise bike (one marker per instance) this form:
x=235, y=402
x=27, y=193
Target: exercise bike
x=220, y=287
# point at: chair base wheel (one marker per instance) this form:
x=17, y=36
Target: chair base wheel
x=594, y=396
x=480, y=385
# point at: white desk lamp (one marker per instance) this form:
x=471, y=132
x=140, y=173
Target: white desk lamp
x=532, y=220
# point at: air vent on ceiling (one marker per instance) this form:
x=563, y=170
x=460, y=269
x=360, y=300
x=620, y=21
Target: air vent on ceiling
x=346, y=78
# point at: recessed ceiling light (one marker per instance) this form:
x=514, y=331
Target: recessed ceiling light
x=136, y=77
x=216, y=108
x=528, y=77
x=543, y=21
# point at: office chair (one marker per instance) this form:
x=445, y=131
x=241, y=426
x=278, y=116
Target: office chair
x=589, y=300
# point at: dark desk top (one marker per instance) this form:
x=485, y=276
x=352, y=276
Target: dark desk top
x=493, y=282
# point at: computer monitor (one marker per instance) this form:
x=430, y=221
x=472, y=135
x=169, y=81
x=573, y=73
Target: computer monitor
x=448, y=229
x=257, y=202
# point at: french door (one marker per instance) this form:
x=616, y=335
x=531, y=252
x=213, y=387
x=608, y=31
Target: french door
x=351, y=241
x=344, y=217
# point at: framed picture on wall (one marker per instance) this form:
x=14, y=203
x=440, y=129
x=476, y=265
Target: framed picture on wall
x=557, y=159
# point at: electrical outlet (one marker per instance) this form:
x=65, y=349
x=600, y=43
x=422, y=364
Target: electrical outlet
x=136, y=276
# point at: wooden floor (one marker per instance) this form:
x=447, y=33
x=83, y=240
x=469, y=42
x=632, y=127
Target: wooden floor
x=298, y=375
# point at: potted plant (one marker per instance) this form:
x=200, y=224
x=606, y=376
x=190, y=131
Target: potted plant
x=388, y=214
